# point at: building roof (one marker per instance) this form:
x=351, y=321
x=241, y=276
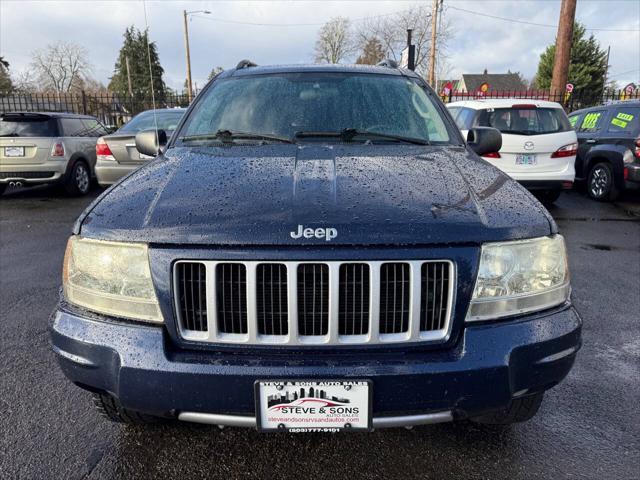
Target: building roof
x=496, y=81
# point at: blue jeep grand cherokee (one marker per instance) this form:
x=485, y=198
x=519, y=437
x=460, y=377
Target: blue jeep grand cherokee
x=316, y=248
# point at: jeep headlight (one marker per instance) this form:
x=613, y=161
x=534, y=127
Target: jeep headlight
x=110, y=277
x=520, y=277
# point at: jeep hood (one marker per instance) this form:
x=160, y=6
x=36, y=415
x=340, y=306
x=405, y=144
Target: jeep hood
x=370, y=194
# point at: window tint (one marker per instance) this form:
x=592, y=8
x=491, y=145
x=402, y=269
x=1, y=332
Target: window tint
x=167, y=120
x=591, y=122
x=526, y=120
x=73, y=127
x=574, y=120
x=625, y=120
x=463, y=117
x=93, y=127
x=318, y=102
x=27, y=126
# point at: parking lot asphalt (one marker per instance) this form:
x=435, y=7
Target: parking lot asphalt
x=588, y=427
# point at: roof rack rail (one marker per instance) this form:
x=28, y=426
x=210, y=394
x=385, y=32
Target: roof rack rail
x=387, y=62
x=245, y=64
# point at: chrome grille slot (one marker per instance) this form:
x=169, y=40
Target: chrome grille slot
x=271, y=298
x=231, y=297
x=320, y=303
x=434, y=296
x=192, y=293
x=313, y=299
x=394, y=297
x=353, y=313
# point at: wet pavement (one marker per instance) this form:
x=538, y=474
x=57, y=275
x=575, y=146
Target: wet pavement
x=588, y=427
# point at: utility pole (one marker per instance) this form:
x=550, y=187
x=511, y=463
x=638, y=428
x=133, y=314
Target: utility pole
x=432, y=53
x=564, y=40
x=186, y=45
x=129, y=76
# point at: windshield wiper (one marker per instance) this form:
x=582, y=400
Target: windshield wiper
x=228, y=136
x=348, y=134
x=13, y=134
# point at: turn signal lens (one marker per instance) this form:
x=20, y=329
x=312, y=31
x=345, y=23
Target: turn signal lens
x=491, y=155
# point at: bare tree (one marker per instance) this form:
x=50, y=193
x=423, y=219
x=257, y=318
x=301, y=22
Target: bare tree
x=391, y=32
x=23, y=82
x=60, y=66
x=334, y=43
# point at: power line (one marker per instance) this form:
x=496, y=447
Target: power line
x=624, y=73
x=513, y=20
x=314, y=24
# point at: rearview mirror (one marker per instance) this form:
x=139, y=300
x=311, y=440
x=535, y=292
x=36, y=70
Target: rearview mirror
x=148, y=143
x=483, y=140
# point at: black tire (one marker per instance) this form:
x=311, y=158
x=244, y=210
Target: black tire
x=548, y=197
x=111, y=409
x=78, y=181
x=519, y=410
x=3, y=187
x=600, y=183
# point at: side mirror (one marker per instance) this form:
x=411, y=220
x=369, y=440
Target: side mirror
x=483, y=140
x=148, y=143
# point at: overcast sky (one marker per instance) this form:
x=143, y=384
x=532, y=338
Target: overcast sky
x=226, y=36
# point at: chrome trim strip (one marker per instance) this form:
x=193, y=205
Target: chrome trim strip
x=413, y=334
x=378, y=422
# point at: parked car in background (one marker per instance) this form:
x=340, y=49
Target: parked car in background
x=538, y=144
x=117, y=154
x=609, y=148
x=37, y=148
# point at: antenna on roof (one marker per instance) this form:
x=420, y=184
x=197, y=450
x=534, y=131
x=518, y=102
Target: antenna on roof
x=153, y=96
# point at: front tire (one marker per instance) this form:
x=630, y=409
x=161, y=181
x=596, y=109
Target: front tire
x=3, y=187
x=519, y=410
x=79, y=180
x=600, y=183
x=111, y=409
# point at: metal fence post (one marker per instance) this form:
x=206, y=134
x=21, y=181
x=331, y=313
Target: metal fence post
x=84, y=103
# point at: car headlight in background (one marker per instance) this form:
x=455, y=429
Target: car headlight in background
x=110, y=277
x=520, y=277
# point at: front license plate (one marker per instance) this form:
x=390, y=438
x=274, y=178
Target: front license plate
x=313, y=406
x=14, y=151
x=525, y=159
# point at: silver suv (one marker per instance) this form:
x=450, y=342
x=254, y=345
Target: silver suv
x=37, y=148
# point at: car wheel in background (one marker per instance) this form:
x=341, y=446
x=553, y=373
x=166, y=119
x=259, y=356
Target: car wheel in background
x=547, y=197
x=79, y=180
x=111, y=409
x=600, y=183
x=519, y=410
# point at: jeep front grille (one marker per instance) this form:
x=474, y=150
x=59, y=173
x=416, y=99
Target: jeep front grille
x=300, y=303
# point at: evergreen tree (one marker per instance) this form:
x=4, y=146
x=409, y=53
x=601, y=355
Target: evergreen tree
x=587, y=68
x=372, y=52
x=6, y=85
x=135, y=48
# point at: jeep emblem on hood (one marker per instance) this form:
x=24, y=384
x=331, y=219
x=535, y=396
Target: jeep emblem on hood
x=327, y=233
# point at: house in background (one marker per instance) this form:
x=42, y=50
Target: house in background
x=496, y=82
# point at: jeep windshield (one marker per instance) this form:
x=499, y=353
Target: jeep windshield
x=313, y=106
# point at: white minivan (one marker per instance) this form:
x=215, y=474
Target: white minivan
x=538, y=144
